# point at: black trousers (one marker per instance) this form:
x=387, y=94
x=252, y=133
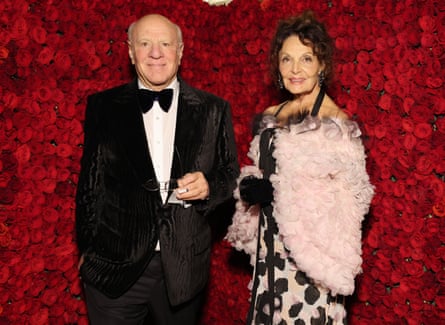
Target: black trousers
x=146, y=302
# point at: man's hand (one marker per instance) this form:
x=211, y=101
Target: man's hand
x=193, y=186
x=81, y=260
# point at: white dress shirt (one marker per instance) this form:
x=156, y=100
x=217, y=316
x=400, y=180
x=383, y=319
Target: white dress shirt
x=160, y=129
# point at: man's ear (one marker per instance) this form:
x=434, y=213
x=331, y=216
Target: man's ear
x=130, y=52
x=180, y=52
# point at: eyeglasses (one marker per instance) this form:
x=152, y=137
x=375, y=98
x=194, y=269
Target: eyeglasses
x=153, y=185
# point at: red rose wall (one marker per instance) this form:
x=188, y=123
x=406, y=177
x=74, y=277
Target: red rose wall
x=389, y=77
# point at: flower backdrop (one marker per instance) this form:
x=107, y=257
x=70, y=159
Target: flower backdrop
x=390, y=58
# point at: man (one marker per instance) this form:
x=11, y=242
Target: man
x=148, y=183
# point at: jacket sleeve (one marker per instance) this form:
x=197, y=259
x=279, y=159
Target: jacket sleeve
x=89, y=178
x=222, y=179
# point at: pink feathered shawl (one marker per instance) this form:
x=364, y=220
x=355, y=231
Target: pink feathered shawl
x=321, y=195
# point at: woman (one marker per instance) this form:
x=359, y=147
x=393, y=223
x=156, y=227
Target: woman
x=301, y=204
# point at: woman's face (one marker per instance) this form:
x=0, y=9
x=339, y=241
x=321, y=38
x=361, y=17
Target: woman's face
x=299, y=67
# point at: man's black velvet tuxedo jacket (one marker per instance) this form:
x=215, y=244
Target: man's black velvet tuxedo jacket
x=118, y=221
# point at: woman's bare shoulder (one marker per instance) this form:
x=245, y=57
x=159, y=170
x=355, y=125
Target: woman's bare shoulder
x=331, y=109
x=270, y=110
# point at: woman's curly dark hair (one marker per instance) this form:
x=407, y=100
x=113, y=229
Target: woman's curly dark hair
x=311, y=32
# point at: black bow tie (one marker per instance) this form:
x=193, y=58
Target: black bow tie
x=147, y=97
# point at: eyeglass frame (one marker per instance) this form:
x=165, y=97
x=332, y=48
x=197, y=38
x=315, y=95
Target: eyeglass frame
x=152, y=185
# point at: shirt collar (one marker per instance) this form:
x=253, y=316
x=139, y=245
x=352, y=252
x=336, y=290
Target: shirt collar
x=173, y=85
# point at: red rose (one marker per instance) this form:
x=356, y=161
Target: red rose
x=399, y=171
x=381, y=44
x=62, y=61
x=437, y=186
x=58, y=310
x=416, y=304
x=44, y=93
x=391, y=86
x=38, y=34
x=48, y=185
x=440, y=301
x=64, y=150
x=36, y=236
x=439, y=209
x=64, y=250
x=45, y=56
x=396, y=276
x=418, y=254
x=76, y=288
x=427, y=23
x=41, y=317
x=4, y=53
x=19, y=28
x=50, y=215
x=414, y=268
x=51, y=171
x=401, y=309
x=24, y=134
x=385, y=102
x=381, y=130
x=430, y=69
x=343, y=43
x=49, y=297
x=5, y=238
x=253, y=47
x=6, y=197
x=439, y=108
x=379, y=289
x=428, y=40
x=424, y=165
x=51, y=13
x=38, y=173
x=377, y=83
x=434, y=82
x=433, y=262
x=21, y=119
x=4, y=274
x=405, y=251
x=399, y=189
x=94, y=62
x=64, y=263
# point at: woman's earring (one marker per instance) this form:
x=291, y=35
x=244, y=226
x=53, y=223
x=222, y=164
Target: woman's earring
x=321, y=77
x=280, y=82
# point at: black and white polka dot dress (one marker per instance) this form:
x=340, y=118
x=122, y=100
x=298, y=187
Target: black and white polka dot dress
x=282, y=294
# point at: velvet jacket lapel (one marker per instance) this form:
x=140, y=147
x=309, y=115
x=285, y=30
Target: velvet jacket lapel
x=189, y=132
x=132, y=132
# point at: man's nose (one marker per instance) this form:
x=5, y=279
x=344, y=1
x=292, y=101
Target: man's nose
x=155, y=51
